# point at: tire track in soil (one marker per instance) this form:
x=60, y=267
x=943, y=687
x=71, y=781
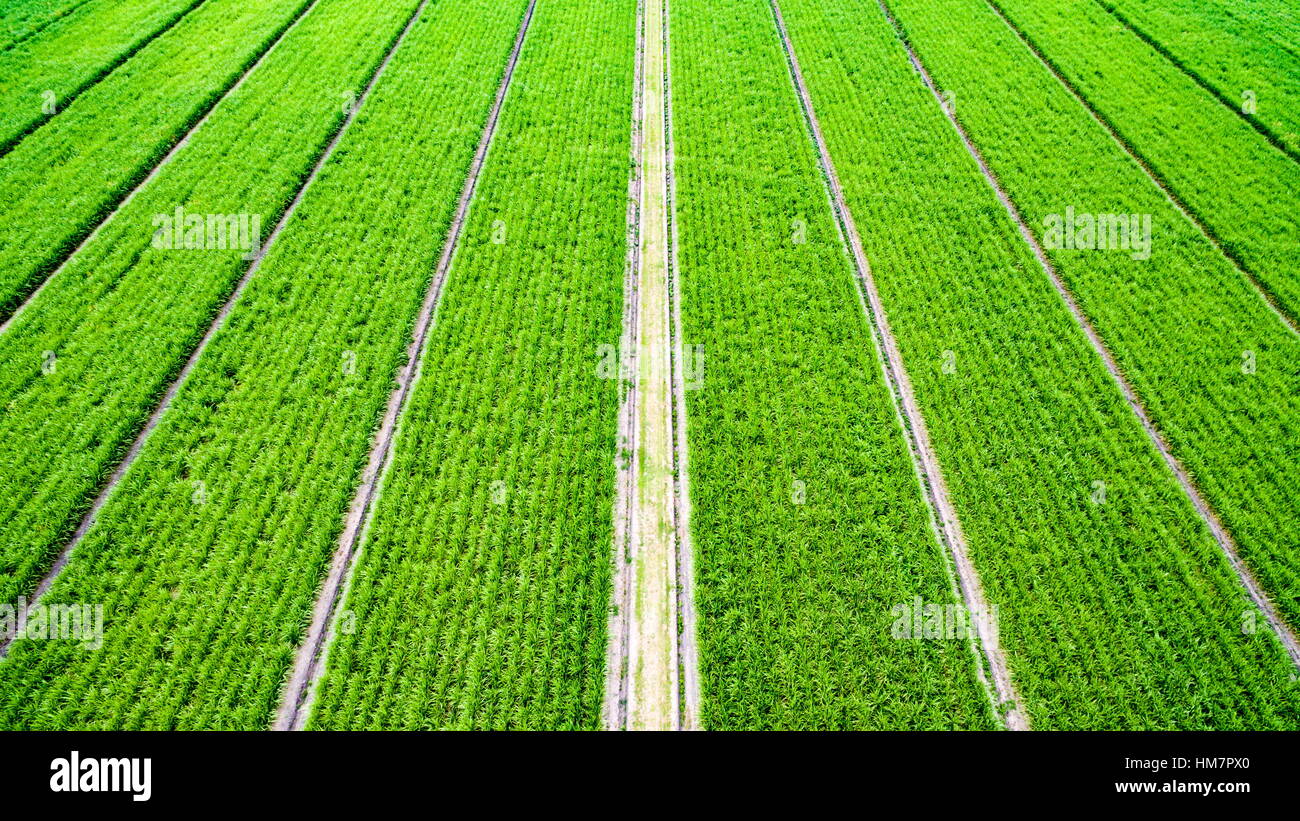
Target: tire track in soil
x=687, y=651
x=653, y=701
x=614, y=708
x=651, y=672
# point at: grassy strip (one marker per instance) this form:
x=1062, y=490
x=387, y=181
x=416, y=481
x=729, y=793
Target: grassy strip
x=22, y=19
x=1229, y=50
x=207, y=587
x=808, y=522
x=1117, y=610
x=63, y=180
x=43, y=75
x=120, y=321
x=1275, y=20
x=480, y=595
x=1219, y=374
x=1231, y=180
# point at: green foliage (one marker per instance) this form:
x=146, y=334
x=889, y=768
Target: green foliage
x=1239, y=185
x=21, y=19
x=1117, y=611
x=795, y=599
x=205, y=603
x=1231, y=47
x=1183, y=325
x=72, y=55
x=482, y=588
x=65, y=178
x=121, y=320
x=483, y=609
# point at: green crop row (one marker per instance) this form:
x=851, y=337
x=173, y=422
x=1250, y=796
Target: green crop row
x=1246, y=53
x=64, y=179
x=1219, y=374
x=481, y=594
x=1229, y=176
x=1116, y=607
x=39, y=77
x=808, y=522
x=208, y=556
x=21, y=19
x=85, y=364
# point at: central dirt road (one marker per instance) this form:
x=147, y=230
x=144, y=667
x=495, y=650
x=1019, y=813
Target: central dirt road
x=651, y=681
x=652, y=694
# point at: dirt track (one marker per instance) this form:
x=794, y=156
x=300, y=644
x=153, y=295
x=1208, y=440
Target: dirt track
x=652, y=683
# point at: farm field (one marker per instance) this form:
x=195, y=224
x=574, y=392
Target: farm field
x=24, y=18
x=43, y=74
x=1027, y=405
x=1182, y=134
x=1195, y=357
x=63, y=179
x=121, y=320
x=1246, y=54
x=356, y=344
x=807, y=517
x=649, y=364
x=495, y=516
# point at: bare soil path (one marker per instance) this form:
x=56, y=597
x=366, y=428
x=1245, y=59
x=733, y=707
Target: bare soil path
x=652, y=683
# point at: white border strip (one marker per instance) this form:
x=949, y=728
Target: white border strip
x=614, y=708
x=687, y=648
